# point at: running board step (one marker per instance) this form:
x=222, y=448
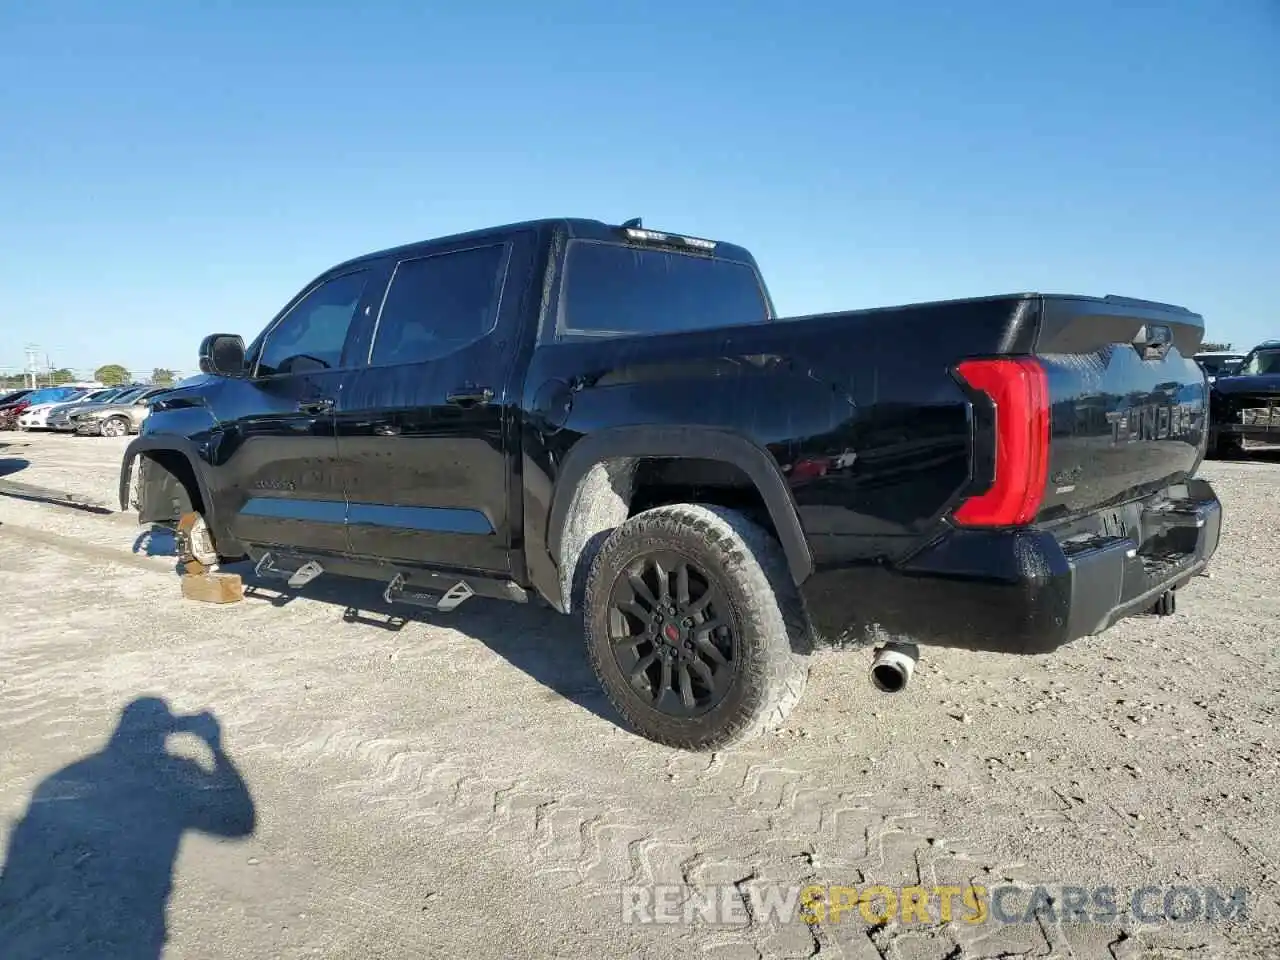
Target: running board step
x=298, y=577
x=305, y=574
x=397, y=592
x=433, y=589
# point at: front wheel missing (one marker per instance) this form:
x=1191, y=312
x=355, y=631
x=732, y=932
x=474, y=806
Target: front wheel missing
x=195, y=541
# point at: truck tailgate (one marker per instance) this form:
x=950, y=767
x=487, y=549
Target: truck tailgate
x=1128, y=407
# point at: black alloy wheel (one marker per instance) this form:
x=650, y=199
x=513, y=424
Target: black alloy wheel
x=695, y=627
x=673, y=634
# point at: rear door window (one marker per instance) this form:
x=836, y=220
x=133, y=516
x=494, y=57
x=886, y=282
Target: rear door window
x=439, y=304
x=614, y=288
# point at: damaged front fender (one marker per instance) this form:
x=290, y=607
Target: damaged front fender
x=160, y=477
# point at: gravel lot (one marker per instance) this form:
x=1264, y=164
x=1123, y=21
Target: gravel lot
x=459, y=787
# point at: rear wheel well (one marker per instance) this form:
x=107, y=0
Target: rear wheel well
x=616, y=489
x=659, y=482
x=167, y=487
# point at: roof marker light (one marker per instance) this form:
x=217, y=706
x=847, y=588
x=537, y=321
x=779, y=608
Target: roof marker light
x=655, y=236
x=635, y=233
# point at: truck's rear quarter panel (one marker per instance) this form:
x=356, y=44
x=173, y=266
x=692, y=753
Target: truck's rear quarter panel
x=858, y=409
x=880, y=441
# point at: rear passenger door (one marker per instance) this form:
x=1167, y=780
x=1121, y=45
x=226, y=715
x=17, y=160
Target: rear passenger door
x=424, y=429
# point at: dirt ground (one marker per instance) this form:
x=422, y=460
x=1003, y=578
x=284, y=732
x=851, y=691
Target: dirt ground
x=459, y=788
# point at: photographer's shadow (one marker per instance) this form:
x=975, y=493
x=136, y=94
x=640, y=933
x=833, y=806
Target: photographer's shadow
x=88, y=869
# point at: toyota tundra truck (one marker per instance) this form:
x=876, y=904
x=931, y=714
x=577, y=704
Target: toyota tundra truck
x=613, y=420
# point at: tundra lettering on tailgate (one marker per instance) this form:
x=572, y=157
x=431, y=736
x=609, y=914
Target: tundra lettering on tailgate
x=1152, y=421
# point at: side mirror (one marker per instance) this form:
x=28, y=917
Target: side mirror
x=222, y=355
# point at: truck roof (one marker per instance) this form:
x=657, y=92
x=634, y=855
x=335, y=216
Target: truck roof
x=589, y=229
x=575, y=227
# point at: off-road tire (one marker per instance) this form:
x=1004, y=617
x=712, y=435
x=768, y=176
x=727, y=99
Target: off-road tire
x=774, y=637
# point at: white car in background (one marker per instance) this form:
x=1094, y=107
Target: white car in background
x=37, y=417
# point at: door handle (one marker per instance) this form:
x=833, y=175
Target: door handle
x=470, y=396
x=315, y=406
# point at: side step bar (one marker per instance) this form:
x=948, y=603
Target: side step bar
x=397, y=592
x=299, y=577
x=442, y=592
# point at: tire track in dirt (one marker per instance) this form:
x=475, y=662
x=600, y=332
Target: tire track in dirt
x=738, y=817
x=764, y=813
x=573, y=842
x=46, y=681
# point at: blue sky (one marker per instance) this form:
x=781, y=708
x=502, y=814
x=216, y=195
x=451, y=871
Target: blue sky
x=166, y=171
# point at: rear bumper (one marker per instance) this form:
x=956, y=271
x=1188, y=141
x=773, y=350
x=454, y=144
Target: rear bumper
x=1022, y=591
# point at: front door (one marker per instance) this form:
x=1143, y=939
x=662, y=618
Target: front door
x=421, y=430
x=279, y=458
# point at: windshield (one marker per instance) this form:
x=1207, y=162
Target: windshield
x=1262, y=361
x=128, y=395
x=1216, y=366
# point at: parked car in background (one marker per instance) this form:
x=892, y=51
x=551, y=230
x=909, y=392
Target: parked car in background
x=49, y=414
x=14, y=409
x=122, y=416
x=1219, y=363
x=34, y=417
x=1246, y=406
x=9, y=408
x=59, y=418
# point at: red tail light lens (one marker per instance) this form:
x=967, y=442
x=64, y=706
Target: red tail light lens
x=1019, y=391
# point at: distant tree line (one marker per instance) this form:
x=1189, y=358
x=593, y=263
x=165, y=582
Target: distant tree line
x=114, y=374
x=111, y=374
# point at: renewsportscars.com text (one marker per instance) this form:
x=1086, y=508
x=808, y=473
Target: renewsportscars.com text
x=736, y=904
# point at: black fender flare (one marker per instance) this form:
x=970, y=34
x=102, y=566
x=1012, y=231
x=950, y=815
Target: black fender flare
x=171, y=444
x=700, y=443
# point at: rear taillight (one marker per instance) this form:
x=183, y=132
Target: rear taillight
x=1019, y=392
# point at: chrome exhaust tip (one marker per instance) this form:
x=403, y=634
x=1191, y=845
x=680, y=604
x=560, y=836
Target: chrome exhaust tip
x=893, y=665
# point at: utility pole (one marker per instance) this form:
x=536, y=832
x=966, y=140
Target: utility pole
x=33, y=364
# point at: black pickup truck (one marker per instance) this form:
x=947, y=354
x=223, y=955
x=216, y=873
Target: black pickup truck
x=612, y=419
x=1245, y=405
